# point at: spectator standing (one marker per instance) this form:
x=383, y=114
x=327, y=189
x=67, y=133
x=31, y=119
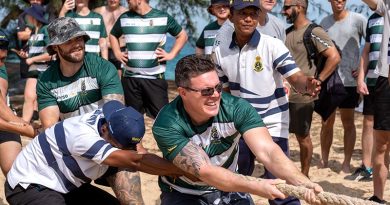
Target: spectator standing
x=91, y=22
x=221, y=10
x=111, y=12
x=347, y=29
x=301, y=107
x=366, y=81
x=270, y=24
x=145, y=30
x=381, y=147
x=36, y=56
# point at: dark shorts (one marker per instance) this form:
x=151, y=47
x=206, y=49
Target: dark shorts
x=36, y=194
x=352, y=99
x=145, y=95
x=368, y=102
x=113, y=60
x=9, y=136
x=301, y=115
x=214, y=198
x=382, y=104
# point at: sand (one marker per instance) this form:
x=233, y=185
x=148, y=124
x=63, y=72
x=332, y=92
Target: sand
x=330, y=178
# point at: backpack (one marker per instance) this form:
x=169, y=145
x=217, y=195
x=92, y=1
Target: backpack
x=332, y=90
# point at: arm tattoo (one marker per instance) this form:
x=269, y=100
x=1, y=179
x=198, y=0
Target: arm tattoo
x=191, y=158
x=127, y=187
x=110, y=97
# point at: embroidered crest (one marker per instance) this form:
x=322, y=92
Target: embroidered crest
x=258, y=64
x=215, y=138
x=151, y=23
x=83, y=88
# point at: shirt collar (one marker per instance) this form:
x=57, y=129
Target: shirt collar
x=253, y=42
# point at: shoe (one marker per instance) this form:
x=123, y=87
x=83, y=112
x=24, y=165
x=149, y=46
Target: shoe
x=377, y=200
x=361, y=174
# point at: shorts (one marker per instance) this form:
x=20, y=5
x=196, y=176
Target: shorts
x=38, y=194
x=113, y=60
x=3, y=73
x=301, y=115
x=35, y=70
x=382, y=104
x=145, y=95
x=351, y=100
x=9, y=136
x=213, y=198
x=368, y=102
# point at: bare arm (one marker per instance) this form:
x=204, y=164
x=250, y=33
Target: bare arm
x=361, y=85
x=271, y=155
x=66, y=7
x=371, y=3
x=24, y=35
x=192, y=159
x=333, y=59
x=181, y=39
x=49, y=116
x=114, y=42
x=304, y=84
x=40, y=58
x=117, y=97
x=103, y=48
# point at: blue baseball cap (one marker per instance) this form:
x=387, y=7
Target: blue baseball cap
x=4, y=42
x=125, y=124
x=241, y=4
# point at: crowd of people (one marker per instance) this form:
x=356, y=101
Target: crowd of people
x=93, y=73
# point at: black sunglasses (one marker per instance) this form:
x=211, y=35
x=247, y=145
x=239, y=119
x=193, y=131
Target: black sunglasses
x=208, y=91
x=286, y=7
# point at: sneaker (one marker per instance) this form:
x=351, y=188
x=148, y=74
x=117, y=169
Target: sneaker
x=361, y=174
x=377, y=200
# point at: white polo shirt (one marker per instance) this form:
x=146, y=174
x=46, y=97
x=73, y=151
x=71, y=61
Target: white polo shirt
x=256, y=73
x=63, y=157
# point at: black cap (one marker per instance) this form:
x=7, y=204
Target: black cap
x=241, y=4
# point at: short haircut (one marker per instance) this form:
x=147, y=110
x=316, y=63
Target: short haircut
x=191, y=66
x=302, y=3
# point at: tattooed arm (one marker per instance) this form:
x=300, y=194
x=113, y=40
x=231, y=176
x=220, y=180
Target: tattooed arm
x=192, y=159
x=126, y=185
x=110, y=97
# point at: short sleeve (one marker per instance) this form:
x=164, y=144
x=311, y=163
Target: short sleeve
x=246, y=117
x=103, y=32
x=44, y=96
x=321, y=39
x=283, y=62
x=117, y=28
x=200, y=42
x=173, y=27
x=109, y=81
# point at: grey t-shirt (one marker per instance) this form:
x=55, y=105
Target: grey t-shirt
x=347, y=33
x=273, y=27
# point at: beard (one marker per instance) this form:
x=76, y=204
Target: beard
x=291, y=18
x=70, y=56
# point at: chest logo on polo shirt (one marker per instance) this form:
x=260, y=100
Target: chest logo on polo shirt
x=151, y=23
x=258, y=64
x=83, y=88
x=215, y=138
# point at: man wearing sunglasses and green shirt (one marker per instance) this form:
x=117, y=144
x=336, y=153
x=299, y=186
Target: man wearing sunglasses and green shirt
x=199, y=132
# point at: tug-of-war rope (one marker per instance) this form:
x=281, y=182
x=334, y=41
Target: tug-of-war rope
x=324, y=197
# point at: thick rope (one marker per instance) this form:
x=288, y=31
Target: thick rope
x=324, y=197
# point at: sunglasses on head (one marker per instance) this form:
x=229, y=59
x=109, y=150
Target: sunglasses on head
x=207, y=91
x=287, y=7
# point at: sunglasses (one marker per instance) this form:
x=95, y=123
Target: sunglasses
x=287, y=7
x=207, y=91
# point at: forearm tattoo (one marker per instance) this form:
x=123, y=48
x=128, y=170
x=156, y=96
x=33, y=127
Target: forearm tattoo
x=127, y=187
x=191, y=158
x=110, y=97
